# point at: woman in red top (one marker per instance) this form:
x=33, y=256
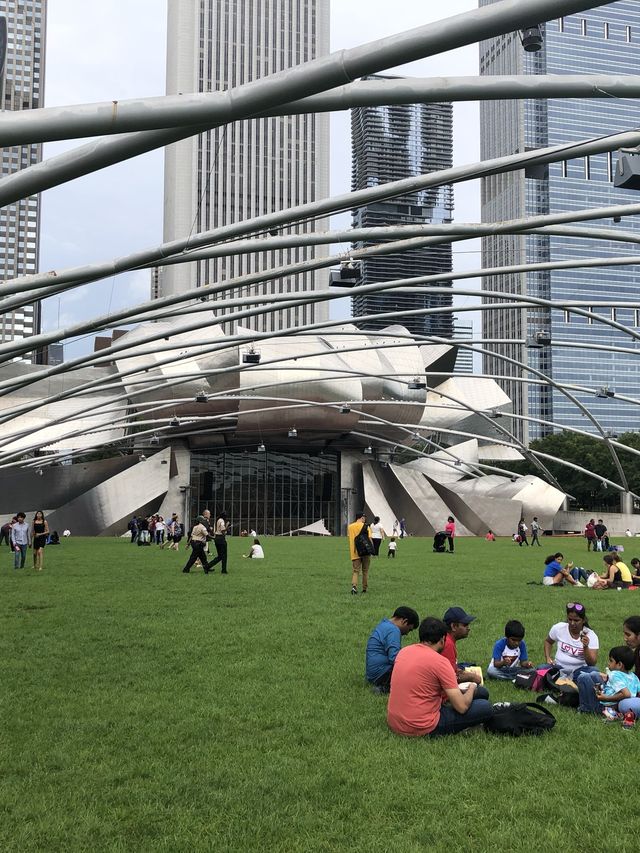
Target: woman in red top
x=450, y=530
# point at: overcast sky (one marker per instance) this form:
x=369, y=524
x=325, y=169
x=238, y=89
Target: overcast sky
x=115, y=49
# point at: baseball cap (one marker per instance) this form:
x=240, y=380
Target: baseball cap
x=457, y=614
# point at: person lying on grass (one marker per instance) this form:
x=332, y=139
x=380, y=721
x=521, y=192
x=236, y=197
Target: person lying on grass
x=458, y=623
x=510, y=654
x=383, y=646
x=425, y=697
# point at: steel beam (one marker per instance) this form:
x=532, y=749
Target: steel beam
x=188, y=110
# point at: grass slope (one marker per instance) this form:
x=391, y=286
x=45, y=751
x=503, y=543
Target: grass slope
x=143, y=709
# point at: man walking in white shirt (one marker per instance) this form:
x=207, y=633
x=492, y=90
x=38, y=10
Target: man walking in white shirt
x=20, y=540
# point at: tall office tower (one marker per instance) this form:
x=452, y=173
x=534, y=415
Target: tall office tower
x=248, y=168
x=390, y=143
x=22, y=88
x=464, y=357
x=605, y=40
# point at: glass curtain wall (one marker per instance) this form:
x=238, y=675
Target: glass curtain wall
x=269, y=492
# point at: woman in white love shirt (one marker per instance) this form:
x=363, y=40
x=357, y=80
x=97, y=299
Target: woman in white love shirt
x=576, y=644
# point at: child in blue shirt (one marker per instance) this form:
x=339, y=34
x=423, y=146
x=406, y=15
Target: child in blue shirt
x=384, y=644
x=619, y=682
x=510, y=653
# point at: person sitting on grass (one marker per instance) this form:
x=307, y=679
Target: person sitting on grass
x=615, y=576
x=490, y=537
x=631, y=634
x=383, y=646
x=635, y=571
x=458, y=623
x=255, y=552
x=425, y=697
x=557, y=575
x=577, y=645
x=510, y=654
x=600, y=692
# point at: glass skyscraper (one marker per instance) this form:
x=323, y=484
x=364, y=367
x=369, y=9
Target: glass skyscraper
x=21, y=89
x=390, y=143
x=247, y=168
x=605, y=40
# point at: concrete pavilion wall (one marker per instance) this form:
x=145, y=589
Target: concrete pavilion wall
x=617, y=523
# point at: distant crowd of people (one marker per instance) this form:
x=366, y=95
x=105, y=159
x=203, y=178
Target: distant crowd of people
x=155, y=530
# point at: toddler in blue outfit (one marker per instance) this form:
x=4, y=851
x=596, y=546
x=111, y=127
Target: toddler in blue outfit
x=510, y=653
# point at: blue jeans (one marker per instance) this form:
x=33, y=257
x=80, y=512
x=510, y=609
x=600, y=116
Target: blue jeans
x=505, y=673
x=451, y=722
x=579, y=574
x=19, y=556
x=586, y=678
x=630, y=705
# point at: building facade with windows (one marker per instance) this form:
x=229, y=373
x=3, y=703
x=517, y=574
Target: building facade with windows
x=248, y=168
x=21, y=88
x=605, y=40
x=390, y=143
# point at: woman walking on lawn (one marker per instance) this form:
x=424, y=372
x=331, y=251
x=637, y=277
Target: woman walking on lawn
x=377, y=535
x=39, y=534
x=450, y=530
x=220, y=541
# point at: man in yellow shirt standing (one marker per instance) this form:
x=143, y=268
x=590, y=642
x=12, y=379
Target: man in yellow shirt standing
x=359, y=562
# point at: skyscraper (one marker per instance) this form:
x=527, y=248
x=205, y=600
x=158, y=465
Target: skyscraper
x=605, y=40
x=390, y=143
x=21, y=89
x=247, y=168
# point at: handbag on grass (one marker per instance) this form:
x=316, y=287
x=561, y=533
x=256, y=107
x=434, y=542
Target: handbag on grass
x=535, y=679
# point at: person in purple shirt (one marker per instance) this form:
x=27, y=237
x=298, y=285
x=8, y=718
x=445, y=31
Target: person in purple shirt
x=384, y=644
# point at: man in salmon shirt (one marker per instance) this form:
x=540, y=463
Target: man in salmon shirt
x=425, y=698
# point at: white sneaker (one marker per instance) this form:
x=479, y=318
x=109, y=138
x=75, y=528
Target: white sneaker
x=579, y=583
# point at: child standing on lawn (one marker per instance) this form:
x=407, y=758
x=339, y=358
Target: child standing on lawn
x=393, y=547
x=510, y=654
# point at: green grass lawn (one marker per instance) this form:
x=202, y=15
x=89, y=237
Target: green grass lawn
x=144, y=709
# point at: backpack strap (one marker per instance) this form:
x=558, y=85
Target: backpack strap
x=536, y=707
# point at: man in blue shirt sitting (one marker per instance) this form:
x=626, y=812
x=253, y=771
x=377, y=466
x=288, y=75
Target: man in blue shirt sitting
x=384, y=644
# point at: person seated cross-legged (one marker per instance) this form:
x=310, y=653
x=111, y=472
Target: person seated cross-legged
x=458, y=623
x=383, y=646
x=425, y=697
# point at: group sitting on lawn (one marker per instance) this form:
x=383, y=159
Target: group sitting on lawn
x=433, y=693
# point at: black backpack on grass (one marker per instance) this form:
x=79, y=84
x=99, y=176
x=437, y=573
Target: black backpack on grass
x=520, y=718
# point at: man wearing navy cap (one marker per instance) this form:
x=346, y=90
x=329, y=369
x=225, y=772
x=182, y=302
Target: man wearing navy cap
x=458, y=623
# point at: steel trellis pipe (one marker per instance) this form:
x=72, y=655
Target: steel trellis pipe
x=252, y=99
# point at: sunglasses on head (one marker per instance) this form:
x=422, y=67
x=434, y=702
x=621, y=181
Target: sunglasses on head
x=574, y=605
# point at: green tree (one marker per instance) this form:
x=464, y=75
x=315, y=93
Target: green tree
x=592, y=454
